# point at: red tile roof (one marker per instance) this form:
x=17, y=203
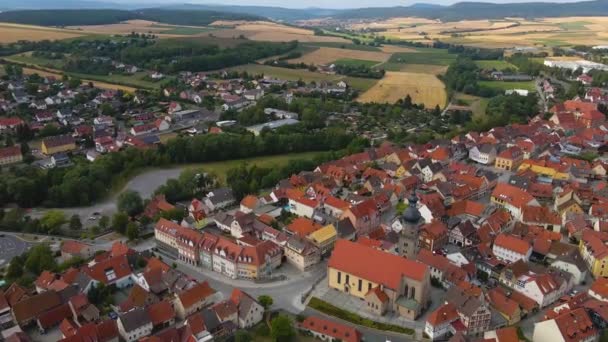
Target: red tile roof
x=249, y=201
x=512, y=195
x=198, y=293
x=446, y=313
x=72, y=247
x=101, y=270
x=512, y=243
x=327, y=327
x=363, y=261
x=11, y=151
x=161, y=312
x=466, y=207
x=600, y=286
x=303, y=227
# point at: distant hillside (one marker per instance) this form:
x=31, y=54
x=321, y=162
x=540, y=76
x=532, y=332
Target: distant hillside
x=276, y=13
x=480, y=10
x=67, y=17
x=78, y=17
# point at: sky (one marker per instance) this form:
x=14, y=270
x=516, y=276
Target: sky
x=335, y=3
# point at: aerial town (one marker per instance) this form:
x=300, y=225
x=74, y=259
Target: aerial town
x=197, y=175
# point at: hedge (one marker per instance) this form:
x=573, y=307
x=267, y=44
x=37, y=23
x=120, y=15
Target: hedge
x=348, y=316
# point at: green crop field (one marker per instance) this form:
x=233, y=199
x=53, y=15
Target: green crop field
x=348, y=46
x=27, y=58
x=286, y=74
x=355, y=62
x=186, y=31
x=500, y=85
x=493, y=64
x=574, y=25
x=424, y=56
x=359, y=83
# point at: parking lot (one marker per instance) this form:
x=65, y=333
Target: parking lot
x=10, y=247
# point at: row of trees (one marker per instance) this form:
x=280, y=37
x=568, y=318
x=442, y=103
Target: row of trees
x=87, y=182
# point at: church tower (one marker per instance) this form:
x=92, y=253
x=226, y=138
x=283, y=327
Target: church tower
x=411, y=222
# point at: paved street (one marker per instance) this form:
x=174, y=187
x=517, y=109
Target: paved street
x=10, y=247
x=285, y=293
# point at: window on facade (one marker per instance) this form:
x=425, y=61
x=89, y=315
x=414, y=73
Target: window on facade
x=347, y=278
x=360, y=285
x=339, y=277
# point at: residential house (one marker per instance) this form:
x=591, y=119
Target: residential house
x=134, y=325
x=111, y=271
x=512, y=198
x=302, y=253
x=509, y=159
x=594, y=250
x=484, y=154
x=572, y=325
x=219, y=199
x=364, y=216
x=438, y=324
x=506, y=306
x=433, y=236
x=75, y=249
x=193, y=299
x=324, y=238
x=10, y=155
x=58, y=144
x=327, y=330
x=249, y=311
x=510, y=249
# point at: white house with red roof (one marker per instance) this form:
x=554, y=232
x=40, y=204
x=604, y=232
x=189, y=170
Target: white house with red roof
x=511, y=249
x=302, y=206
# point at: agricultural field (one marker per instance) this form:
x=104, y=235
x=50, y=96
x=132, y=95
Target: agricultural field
x=137, y=26
x=10, y=33
x=358, y=83
x=500, y=85
x=506, y=33
x=346, y=45
x=326, y=55
x=493, y=64
x=355, y=62
x=272, y=32
x=417, y=68
x=423, y=88
x=424, y=56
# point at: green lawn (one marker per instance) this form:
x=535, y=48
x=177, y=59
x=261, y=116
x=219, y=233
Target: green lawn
x=136, y=80
x=345, y=45
x=355, y=62
x=500, y=85
x=495, y=64
x=26, y=58
x=359, y=83
x=352, y=317
x=424, y=56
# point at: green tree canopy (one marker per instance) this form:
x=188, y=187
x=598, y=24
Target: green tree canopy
x=130, y=202
x=281, y=329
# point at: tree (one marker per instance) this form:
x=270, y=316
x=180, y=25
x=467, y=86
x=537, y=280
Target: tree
x=75, y=223
x=130, y=202
x=15, y=269
x=242, y=336
x=265, y=301
x=40, y=258
x=120, y=220
x=132, y=231
x=53, y=220
x=281, y=329
x=104, y=222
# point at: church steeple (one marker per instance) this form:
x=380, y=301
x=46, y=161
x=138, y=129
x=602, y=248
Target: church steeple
x=412, y=214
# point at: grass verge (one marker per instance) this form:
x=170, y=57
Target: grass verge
x=348, y=316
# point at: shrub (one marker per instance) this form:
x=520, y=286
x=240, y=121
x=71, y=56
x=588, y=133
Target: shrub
x=331, y=310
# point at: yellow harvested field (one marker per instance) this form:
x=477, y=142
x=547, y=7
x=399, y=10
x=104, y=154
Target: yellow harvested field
x=423, y=88
x=10, y=33
x=126, y=27
x=272, y=32
x=327, y=55
x=506, y=33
